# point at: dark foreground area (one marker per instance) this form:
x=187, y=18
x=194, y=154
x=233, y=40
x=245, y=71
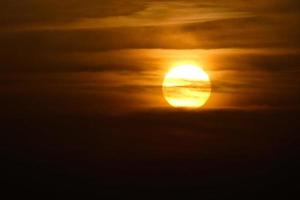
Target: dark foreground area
x=210, y=154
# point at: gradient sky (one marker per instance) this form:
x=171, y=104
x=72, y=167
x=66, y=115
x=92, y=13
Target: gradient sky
x=81, y=101
x=88, y=56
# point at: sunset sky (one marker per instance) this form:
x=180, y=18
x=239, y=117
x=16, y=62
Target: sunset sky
x=81, y=85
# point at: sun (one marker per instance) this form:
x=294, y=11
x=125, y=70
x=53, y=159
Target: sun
x=187, y=86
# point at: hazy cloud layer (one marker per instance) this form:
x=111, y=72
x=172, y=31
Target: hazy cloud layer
x=82, y=106
x=251, y=50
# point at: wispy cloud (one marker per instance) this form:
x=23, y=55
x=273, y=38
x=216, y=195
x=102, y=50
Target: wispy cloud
x=251, y=50
x=154, y=14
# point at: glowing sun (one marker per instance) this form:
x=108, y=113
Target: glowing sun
x=186, y=86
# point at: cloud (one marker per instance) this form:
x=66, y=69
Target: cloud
x=244, y=47
x=80, y=89
x=18, y=13
x=154, y=14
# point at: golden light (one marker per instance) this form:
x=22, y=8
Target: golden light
x=187, y=86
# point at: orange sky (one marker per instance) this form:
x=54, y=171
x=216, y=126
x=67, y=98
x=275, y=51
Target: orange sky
x=82, y=107
x=123, y=49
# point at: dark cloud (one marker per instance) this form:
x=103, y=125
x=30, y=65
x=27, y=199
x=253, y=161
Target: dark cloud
x=275, y=62
x=15, y=12
x=30, y=11
x=231, y=33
